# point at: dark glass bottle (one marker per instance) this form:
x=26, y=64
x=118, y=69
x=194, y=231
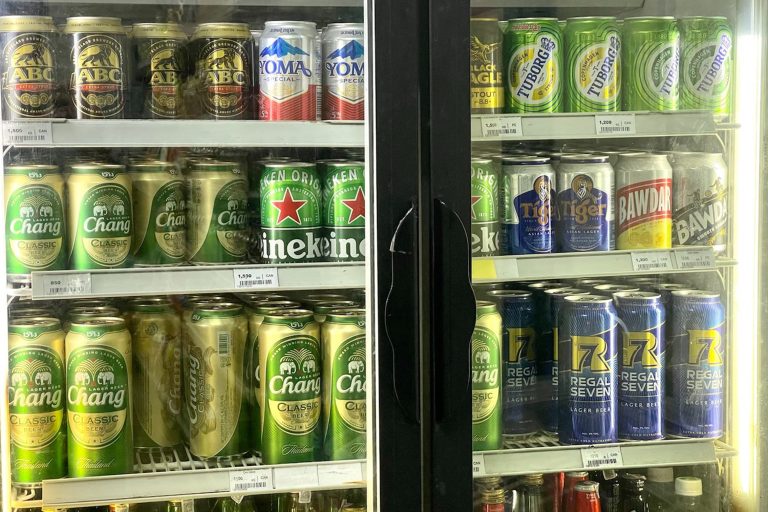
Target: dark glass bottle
x=633, y=498
x=531, y=493
x=688, y=494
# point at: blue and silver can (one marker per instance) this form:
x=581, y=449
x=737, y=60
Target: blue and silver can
x=666, y=289
x=528, y=193
x=696, y=364
x=610, y=288
x=588, y=363
x=641, y=370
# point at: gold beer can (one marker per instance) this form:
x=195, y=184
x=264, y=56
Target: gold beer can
x=322, y=309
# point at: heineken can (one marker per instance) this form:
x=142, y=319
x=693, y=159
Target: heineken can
x=99, y=81
x=36, y=380
x=593, y=64
x=485, y=363
x=706, y=64
x=651, y=63
x=290, y=213
x=485, y=67
x=100, y=216
x=100, y=440
x=533, y=60
x=528, y=193
x=323, y=309
x=34, y=216
x=344, y=211
x=344, y=388
x=485, y=207
x=215, y=377
x=217, y=226
x=29, y=66
x=290, y=373
x=159, y=211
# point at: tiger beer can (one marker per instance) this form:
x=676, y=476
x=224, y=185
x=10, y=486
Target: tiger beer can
x=485, y=66
x=343, y=74
x=486, y=371
x=593, y=64
x=485, y=207
x=706, y=64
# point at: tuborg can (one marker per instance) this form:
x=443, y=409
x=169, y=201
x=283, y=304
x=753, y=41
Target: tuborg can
x=485, y=207
x=485, y=67
x=100, y=440
x=344, y=211
x=34, y=217
x=485, y=353
x=706, y=63
x=36, y=382
x=343, y=72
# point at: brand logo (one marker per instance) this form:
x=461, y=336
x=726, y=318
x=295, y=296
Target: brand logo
x=521, y=345
x=298, y=373
x=110, y=214
x=603, y=77
x=662, y=70
x=195, y=384
x=278, y=59
x=536, y=205
x=353, y=380
x=172, y=213
x=38, y=213
x=589, y=352
x=586, y=203
x=98, y=76
x=32, y=384
x=165, y=68
x=536, y=72
x=716, y=70
x=94, y=385
x=234, y=214
x=640, y=347
x=705, y=347
x=224, y=66
x=702, y=220
x=336, y=65
x=644, y=201
x=29, y=79
x=485, y=364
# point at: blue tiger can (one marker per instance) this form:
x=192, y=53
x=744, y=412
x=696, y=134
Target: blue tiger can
x=587, y=367
x=696, y=363
x=641, y=372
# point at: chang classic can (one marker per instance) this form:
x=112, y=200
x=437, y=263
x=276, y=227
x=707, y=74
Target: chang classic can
x=485, y=353
x=593, y=64
x=343, y=208
x=99, y=394
x=588, y=361
x=323, y=309
x=343, y=72
x=642, y=366
x=100, y=216
x=30, y=66
x=696, y=365
x=533, y=61
x=34, y=219
x=706, y=63
x=528, y=192
x=485, y=207
x=290, y=367
x=485, y=67
x=36, y=382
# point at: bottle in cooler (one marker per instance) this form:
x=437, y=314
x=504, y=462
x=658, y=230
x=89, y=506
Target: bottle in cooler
x=569, y=489
x=531, y=493
x=660, y=485
x=593, y=64
x=527, y=203
x=633, y=496
x=586, y=498
x=688, y=494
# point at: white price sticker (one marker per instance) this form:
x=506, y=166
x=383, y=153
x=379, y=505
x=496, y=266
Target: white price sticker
x=250, y=480
x=695, y=258
x=615, y=124
x=478, y=465
x=339, y=474
x=501, y=127
x=295, y=477
x=601, y=458
x=66, y=285
x=32, y=133
x=652, y=261
x=257, y=277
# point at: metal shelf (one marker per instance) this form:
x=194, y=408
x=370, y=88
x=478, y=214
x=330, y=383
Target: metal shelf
x=592, y=264
x=561, y=4
x=222, y=3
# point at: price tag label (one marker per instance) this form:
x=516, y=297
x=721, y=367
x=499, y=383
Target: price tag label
x=695, y=258
x=652, y=261
x=478, y=465
x=339, y=474
x=507, y=127
x=66, y=285
x=32, y=133
x=250, y=480
x=618, y=124
x=259, y=277
x=601, y=458
x=295, y=477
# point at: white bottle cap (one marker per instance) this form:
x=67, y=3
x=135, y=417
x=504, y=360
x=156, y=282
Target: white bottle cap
x=687, y=486
x=661, y=475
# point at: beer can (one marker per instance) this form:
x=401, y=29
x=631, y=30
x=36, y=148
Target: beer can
x=217, y=195
x=593, y=64
x=643, y=201
x=252, y=298
x=344, y=385
x=34, y=219
x=323, y=309
x=706, y=64
x=343, y=72
x=36, y=382
x=99, y=69
x=650, y=74
x=588, y=379
x=99, y=374
x=527, y=190
x=485, y=66
x=29, y=66
x=485, y=207
x=641, y=376
x=699, y=200
x=343, y=211
x=696, y=365
x=317, y=73
x=585, y=204
x=312, y=299
x=215, y=376
x=569, y=489
x=665, y=290
x=290, y=373
x=255, y=37
x=589, y=282
x=99, y=216
x=286, y=71
x=642, y=282
x=533, y=59
x=487, y=403
x=79, y=313
x=17, y=313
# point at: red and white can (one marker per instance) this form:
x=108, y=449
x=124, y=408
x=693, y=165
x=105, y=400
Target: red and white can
x=343, y=72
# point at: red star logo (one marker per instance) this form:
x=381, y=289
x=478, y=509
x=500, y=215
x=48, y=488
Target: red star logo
x=356, y=206
x=289, y=208
x=475, y=199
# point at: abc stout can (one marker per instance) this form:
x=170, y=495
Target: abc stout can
x=485, y=66
x=486, y=378
x=98, y=66
x=29, y=67
x=587, y=339
x=485, y=207
x=344, y=210
x=343, y=72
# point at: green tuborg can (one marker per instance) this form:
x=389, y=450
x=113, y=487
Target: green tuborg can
x=651, y=63
x=36, y=384
x=706, y=64
x=486, y=378
x=593, y=64
x=344, y=211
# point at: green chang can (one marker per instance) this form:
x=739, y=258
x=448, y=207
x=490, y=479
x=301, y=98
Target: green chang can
x=486, y=378
x=323, y=309
x=706, y=64
x=533, y=60
x=485, y=207
x=36, y=381
x=34, y=219
x=100, y=440
x=344, y=211
x=593, y=64
x=650, y=64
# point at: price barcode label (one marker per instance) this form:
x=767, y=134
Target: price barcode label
x=652, y=261
x=250, y=480
x=247, y=278
x=339, y=474
x=66, y=285
x=695, y=258
x=501, y=126
x=18, y=134
x=615, y=124
x=600, y=458
x=478, y=465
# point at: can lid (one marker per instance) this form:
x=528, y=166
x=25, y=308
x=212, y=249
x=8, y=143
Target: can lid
x=300, y=315
x=661, y=475
x=343, y=163
x=702, y=18
x=153, y=166
x=50, y=322
x=530, y=20
x=107, y=323
x=695, y=294
x=261, y=297
x=328, y=306
x=481, y=160
x=96, y=168
x=23, y=23
x=151, y=307
x=291, y=163
x=609, y=287
x=94, y=24
x=484, y=19
x=215, y=310
x=591, y=18
x=214, y=166
x=577, y=474
x=525, y=160
x=291, y=23
x=650, y=18
x=688, y=486
x=159, y=30
x=314, y=298
x=347, y=316
x=631, y=297
x=511, y=294
x=565, y=291
x=588, y=299
x=272, y=305
x=591, y=282
x=209, y=30
x=670, y=287
x=344, y=25
x=586, y=486
x=484, y=307
x=545, y=285
x=92, y=312
x=26, y=169
x=583, y=158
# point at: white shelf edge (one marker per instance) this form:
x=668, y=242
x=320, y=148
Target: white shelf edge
x=223, y=3
x=562, y=4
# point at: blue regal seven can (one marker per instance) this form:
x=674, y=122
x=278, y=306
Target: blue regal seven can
x=588, y=384
x=696, y=365
x=641, y=370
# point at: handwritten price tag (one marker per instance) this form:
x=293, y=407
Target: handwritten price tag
x=615, y=124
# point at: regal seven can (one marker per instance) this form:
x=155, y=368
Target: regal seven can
x=343, y=72
x=485, y=356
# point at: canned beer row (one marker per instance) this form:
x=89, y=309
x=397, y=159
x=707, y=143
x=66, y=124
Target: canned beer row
x=528, y=204
x=224, y=375
x=595, y=362
x=601, y=64
x=96, y=68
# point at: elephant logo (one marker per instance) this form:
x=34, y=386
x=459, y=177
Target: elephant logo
x=287, y=368
x=356, y=367
x=82, y=378
x=19, y=379
x=482, y=357
x=232, y=204
x=26, y=211
x=308, y=366
x=46, y=210
x=100, y=210
x=106, y=377
x=43, y=378
x=118, y=209
x=171, y=205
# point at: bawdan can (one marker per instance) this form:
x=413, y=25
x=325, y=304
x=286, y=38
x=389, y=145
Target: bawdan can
x=343, y=72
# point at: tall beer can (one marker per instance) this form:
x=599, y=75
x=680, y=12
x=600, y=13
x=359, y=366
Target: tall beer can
x=486, y=378
x=593, y=64
x=706, y=64
x=485, y=207
x=485, y=66
x=343, y=209
x=343, y=72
